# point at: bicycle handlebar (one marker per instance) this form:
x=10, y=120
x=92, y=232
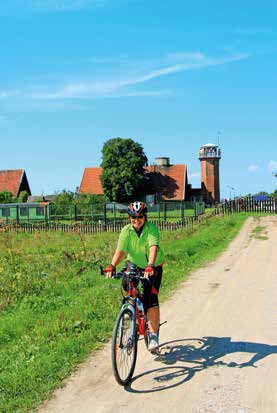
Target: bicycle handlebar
x=134, y=273
x=129, y=274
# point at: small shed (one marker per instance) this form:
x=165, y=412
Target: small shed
x=25, y=212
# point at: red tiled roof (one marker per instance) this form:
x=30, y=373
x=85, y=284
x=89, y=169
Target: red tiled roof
x=168, y=182
x=10, y=180
x=91, y=183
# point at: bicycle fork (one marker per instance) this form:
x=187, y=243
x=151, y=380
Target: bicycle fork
x=133, y=328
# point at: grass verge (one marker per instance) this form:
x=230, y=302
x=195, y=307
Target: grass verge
x=56, y=309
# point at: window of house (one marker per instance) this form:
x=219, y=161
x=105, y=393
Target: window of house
x=23, y=211
x=39, y=211
x=6, y=212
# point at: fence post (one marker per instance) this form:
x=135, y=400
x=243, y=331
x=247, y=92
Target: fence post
x=114, y=213
x=159, y=211
x=164, y=207
x=182, y=211
x=17, y=214
x=195, y=209
x=45, y=213
x=92, y=212
x=105, y=213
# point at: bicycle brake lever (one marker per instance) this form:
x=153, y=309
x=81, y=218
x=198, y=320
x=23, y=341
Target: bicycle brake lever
x=117, y=275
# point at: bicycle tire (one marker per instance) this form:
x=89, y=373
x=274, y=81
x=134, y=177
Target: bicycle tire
x=124, y=347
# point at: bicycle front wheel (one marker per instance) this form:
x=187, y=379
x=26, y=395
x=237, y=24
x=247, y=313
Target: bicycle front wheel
x=124, y=347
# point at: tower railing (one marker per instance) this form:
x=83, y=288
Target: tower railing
x=210, y=153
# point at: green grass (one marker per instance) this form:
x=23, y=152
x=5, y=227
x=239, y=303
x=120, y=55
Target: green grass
x=259, y=232
x=56, y=309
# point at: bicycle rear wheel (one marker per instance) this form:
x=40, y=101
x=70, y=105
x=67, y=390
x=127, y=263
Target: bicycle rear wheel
x=124, y=347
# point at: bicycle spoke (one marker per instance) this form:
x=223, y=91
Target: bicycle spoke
x=124, y=348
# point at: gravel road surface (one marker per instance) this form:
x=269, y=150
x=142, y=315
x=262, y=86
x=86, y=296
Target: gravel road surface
x=218, y=349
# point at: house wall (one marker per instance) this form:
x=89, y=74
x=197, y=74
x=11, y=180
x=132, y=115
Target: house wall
x=16, y=211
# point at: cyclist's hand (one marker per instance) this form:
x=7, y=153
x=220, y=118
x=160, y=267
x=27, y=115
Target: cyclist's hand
x=109, y=271
x=149, y=271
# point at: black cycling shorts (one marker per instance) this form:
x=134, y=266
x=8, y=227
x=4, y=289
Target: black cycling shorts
x=150, y=290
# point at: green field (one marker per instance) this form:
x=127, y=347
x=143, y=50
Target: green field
x=56, y=309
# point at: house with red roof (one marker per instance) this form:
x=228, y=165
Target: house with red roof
x=91, y=183
x=167, y=182
x=14, y=181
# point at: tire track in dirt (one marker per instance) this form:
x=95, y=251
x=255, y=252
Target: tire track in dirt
x=219, y=348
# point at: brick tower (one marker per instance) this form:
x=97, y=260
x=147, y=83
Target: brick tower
x=209, y=156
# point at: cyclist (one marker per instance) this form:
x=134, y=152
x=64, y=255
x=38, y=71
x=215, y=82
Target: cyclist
x=140, y=242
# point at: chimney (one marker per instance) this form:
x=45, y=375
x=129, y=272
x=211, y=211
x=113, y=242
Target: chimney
x=162, y=161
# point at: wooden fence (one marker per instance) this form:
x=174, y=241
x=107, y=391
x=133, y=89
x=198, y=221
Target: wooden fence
x=227, y=208
x=91, y=227
x=250, y=205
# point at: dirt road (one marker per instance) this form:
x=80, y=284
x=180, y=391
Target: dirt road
x=219, y=347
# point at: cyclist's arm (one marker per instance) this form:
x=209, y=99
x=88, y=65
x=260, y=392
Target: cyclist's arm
x=149, y=271
x=153, y=251
x=118, y=256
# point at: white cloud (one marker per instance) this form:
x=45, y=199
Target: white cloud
x=110, y=88
x=272, y=166
x=199, y=62
x=95, y=90
x=125, y=84
x=253, y=168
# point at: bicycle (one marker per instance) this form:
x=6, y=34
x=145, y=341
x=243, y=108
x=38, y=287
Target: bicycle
x=131, y=323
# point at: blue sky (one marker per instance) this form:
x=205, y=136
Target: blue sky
x=172, y=75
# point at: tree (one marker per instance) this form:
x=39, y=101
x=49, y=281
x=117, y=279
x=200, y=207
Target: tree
x=62, y=202
x=123, y=172
x=83, y=199
x=89, y=203
x=22, y=197
x=6, y=197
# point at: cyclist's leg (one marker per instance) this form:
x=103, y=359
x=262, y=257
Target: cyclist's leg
x=151, y=300
x=153, y=318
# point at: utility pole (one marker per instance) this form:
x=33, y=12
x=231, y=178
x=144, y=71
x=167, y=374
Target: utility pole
x=218, y=135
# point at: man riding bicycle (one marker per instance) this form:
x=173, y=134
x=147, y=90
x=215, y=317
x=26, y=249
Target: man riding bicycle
x=140, y=242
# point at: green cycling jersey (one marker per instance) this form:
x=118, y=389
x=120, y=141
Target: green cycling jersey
x=137, y=245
